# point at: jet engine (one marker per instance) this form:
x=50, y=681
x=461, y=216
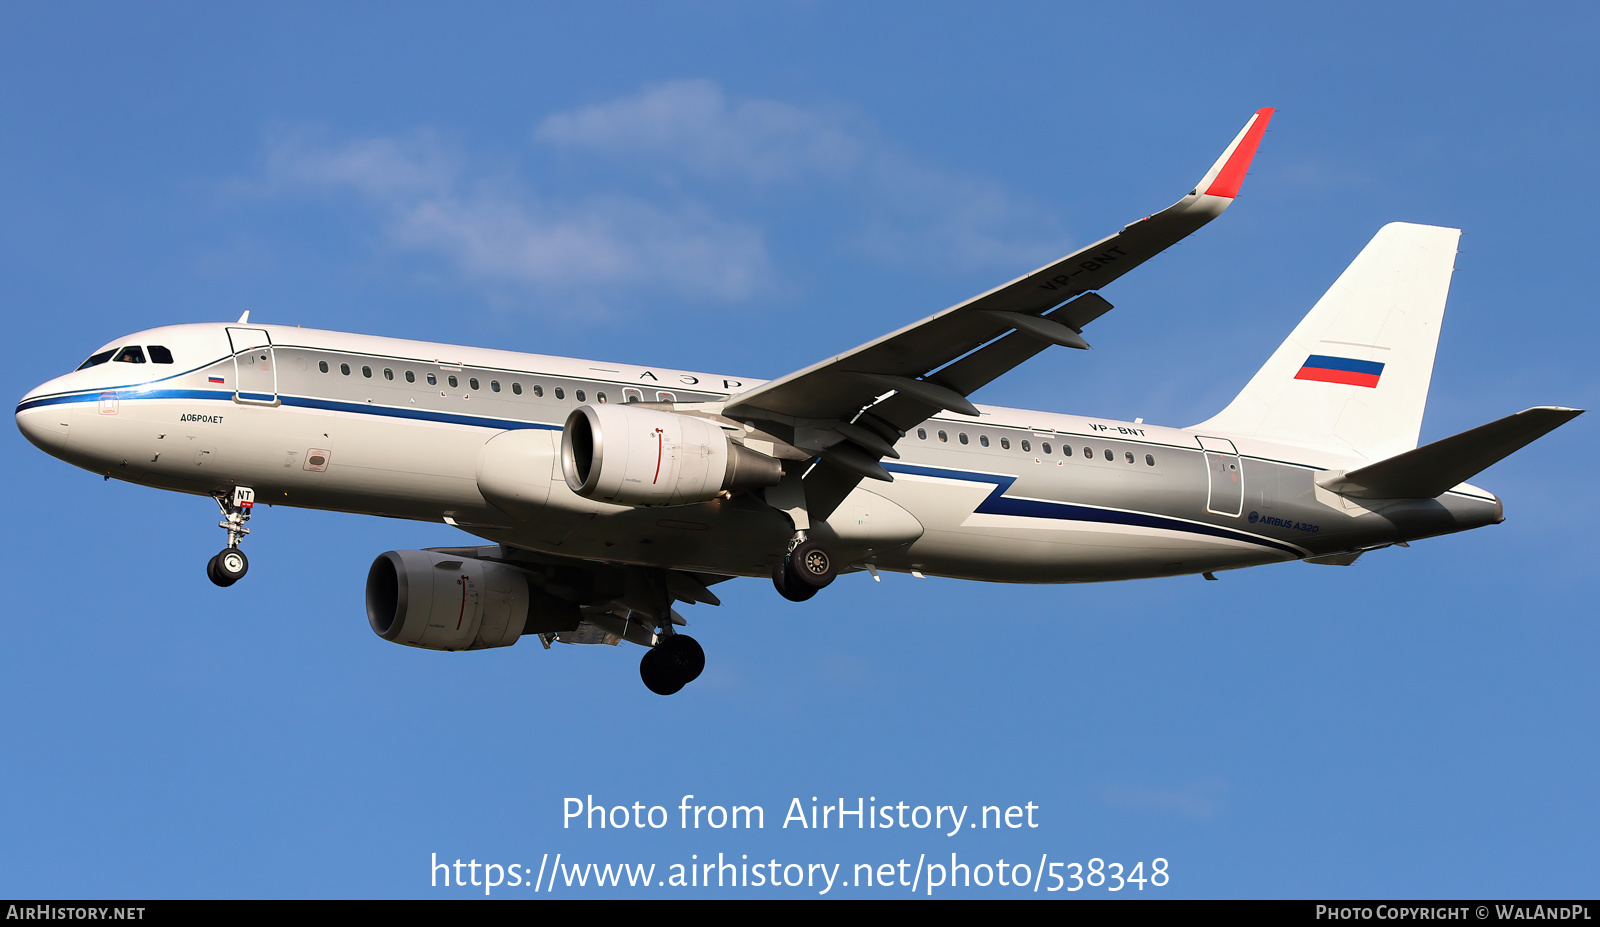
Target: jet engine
x=434, y=600
x=633, y=456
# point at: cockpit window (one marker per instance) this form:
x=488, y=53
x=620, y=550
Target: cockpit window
x=132, y=354
x=97, y=359
x=160, y=355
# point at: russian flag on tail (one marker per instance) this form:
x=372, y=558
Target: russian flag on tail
x=1345, y=370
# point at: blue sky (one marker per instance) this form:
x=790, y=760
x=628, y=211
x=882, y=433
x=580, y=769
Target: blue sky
x=750, y=188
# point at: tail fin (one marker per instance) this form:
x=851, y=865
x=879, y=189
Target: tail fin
x=1353, y=376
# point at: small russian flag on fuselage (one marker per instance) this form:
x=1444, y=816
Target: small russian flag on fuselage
x=214, y=379
x=1345, y=370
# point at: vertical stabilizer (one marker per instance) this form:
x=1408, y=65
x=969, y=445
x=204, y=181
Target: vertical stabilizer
x=1353, y=377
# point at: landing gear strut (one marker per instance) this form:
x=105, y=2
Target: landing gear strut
x=807, y=568
x=230, y=565
x=672, y=663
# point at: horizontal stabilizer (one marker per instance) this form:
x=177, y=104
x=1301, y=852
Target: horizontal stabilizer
x=1431, y=470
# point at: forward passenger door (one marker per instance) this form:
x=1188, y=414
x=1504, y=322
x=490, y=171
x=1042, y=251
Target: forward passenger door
x=255, y=372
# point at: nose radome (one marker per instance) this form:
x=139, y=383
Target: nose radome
x=47, y=426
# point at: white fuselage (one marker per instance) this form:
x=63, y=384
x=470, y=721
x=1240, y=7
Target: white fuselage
x=469, y=436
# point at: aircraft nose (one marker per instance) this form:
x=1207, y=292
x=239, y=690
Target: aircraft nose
x=46, y=425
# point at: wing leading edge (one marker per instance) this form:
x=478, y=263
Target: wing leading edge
x=850, y=409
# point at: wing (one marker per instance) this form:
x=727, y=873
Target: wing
x=567, y=593
x=850, y=409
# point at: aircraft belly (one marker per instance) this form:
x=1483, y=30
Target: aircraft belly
x=732, y=536
x=866, y=525
x=1075, y=521
x=997, y=551
x=290, y=456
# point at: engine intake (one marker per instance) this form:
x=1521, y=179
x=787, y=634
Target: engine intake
x=437, y=601
x=633, y=456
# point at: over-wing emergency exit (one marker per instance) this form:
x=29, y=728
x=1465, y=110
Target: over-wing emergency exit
x=609, y=493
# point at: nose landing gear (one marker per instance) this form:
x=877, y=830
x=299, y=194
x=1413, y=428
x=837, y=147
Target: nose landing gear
x=230, y=565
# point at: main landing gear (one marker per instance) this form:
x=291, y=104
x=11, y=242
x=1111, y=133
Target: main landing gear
x=230, y=565
x=675, y=661
x=807, y=568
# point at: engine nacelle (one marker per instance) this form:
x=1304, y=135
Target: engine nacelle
x=633, y=456
x=424, y=598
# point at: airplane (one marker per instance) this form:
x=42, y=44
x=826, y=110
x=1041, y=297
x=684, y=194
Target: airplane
x=611, y=492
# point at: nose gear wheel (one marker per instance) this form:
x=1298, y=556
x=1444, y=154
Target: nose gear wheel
x=230, y=565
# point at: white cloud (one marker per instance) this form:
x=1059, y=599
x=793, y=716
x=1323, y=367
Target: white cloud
x=384, y=169
x=924, y=216
x=692, y=124
x=690, y=236
x=905, y=212
x=495, y=232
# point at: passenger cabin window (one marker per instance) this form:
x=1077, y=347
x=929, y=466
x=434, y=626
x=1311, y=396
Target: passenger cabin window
x=1026, y=446
x=1110, y=455
x=160, y=355
x=473, y=383
x=944, y=438
x=1130, y=456
x=579, y=394
x=452, y=380
x=344, y=369
x=366, y=371
x=516, y=387
x=538, y=390
x=922, y=434
x=560, y=393
x=983, y=440
x=1149, y=460
x=433, y=380
x=411, y=377
x=962, y=437
x=494, y=385
x=1088, y=452
x=1045, y=447
x=599, y=397
x=388, y=374
x=97, y=359
x=322, y=366
x=132, y=354
x=1005, y=444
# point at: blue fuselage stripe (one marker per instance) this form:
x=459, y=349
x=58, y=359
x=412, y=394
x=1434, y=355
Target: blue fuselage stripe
x=305, y=402
x=996, y=503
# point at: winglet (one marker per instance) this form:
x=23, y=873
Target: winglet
x=1227, y=174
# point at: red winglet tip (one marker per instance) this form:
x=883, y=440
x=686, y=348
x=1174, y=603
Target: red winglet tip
x=1232, y=173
